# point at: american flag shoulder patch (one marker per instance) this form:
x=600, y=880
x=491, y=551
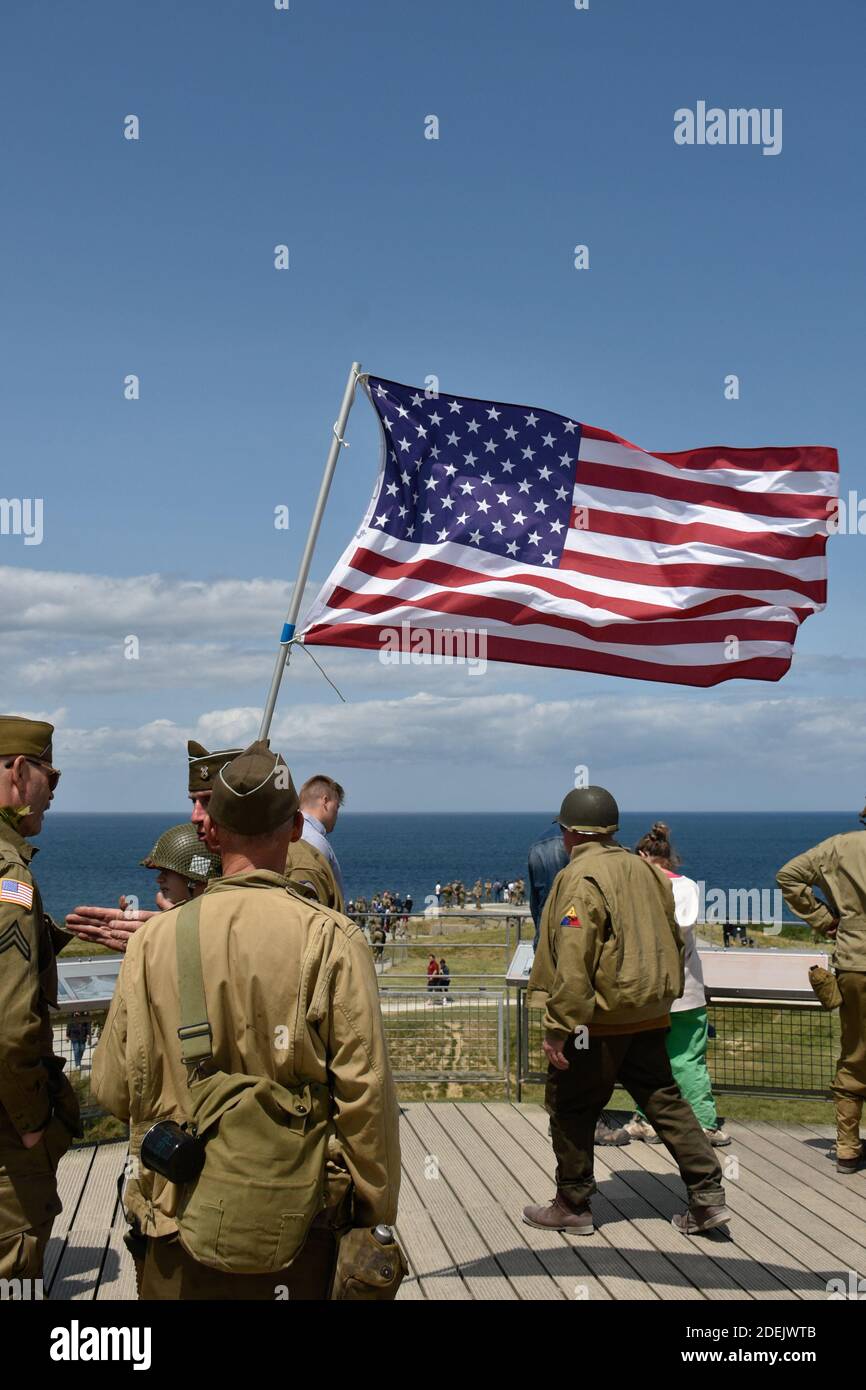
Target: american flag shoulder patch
x=12, y=890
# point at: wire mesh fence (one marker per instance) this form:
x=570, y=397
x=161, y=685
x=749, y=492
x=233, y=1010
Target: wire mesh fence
x=778, y=1049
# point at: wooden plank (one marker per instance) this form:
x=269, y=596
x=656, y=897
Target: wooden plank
x=461, y=1236
x=766, y=1236
x=72, y=1173
x=811, y=1166
x=653, y=1250
x=78, y=1270
x=765, y=1268
x=524, y=1273
x=429, y=1261
x=117, y=1277
x=616, y=1276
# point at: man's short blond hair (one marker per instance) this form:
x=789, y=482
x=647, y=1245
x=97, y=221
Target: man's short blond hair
x=321, y=785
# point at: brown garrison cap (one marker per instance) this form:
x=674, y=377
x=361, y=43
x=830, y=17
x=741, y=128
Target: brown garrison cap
x=204, y=766
x=28, y=737
x=254, y=793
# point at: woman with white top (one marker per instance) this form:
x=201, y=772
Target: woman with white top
x=687, y=1039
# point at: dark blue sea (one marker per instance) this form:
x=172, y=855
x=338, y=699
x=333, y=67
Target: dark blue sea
x=91, y=858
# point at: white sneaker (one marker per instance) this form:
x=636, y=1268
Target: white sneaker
x=642, y=1129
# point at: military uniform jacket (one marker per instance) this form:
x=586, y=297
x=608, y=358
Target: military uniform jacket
x=291, y=994
x=610, y=955
x=838, y=867
x=29, y=941
x=33, y=1093
x=308, y=866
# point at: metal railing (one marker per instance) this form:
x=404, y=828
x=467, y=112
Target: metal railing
x=756, y=1048
x=458, y=1035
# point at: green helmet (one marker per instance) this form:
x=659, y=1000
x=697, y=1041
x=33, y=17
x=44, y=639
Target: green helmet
x=180, y=850
x=591, y=810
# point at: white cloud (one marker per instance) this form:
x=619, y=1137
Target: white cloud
x=516, y=730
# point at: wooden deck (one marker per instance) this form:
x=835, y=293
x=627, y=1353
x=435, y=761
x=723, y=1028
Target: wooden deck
x=468, y=1170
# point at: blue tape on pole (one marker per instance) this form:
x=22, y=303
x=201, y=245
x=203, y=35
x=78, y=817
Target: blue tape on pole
x=288, y=632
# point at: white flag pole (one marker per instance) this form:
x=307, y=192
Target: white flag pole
x=288, y=631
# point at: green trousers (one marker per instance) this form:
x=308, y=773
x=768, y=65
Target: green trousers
x=687, y=1049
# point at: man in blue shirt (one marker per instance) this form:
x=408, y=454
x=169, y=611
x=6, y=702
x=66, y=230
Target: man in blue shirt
x=546, y=857
x=321, y=798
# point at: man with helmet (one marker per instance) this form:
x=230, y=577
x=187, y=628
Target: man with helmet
x=305, y=865
x=113, y=926
x=184, y=865
x=609, y=964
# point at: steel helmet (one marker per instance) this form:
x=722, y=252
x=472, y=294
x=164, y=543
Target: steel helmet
x=591, y=810
x=180, y=850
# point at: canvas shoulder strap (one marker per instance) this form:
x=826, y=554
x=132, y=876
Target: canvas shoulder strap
x=196, y=1040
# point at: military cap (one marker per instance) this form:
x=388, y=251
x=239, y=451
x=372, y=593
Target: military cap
x=30, y=738
x=181, y=850
x=204, y=766
x=589, y=810
x=254, y=793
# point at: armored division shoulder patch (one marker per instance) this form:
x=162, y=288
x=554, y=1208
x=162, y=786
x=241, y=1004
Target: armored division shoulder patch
x=12, y=890
x=14, y=938
x=571, y=918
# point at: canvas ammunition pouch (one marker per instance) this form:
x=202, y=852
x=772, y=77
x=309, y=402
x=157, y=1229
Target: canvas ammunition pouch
x=265, y=1145
x=825, y=986
x=368, y=1269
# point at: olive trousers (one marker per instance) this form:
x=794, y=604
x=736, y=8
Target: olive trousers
x=849, y=1083
x=575, y=1098
x=170, y=1273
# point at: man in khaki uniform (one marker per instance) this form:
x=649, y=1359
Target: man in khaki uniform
x=38, y=1108
x=838, y=868
x=608, y=966
x=307, y=867
x=273, y=963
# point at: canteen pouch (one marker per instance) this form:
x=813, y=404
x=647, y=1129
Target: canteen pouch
x=265, y=1146
x=825, y=987
x=367, y=1271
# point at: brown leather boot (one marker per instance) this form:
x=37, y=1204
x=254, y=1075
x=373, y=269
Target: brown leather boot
x=561, y=1215
x=698, y=1219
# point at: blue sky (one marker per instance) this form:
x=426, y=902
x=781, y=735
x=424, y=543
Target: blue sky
x=451, y=257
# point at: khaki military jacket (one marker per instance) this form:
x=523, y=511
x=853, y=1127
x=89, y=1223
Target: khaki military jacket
x=29, y=942
x=308, y=866
x=291, y=994
x=838, y=867
x=610, y=955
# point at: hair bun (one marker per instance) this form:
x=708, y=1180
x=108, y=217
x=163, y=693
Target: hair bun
x=660, y=828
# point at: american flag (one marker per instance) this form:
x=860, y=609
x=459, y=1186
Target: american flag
x=568, y=546
x=13, y=891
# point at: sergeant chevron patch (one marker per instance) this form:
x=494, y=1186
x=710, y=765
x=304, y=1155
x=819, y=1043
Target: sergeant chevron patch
x=14, y=936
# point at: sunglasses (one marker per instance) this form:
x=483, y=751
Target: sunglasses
x=50, y=772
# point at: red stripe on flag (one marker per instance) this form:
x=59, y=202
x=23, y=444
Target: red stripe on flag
x=453, y=576
x=692, y=576
x=765, y=668
x=783, y=506
x=487, y=608
x=648, y=528
x=809, y=458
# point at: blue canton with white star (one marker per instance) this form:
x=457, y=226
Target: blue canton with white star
x=498, y=478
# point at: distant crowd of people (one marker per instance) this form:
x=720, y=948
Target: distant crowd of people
x=455, y=893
